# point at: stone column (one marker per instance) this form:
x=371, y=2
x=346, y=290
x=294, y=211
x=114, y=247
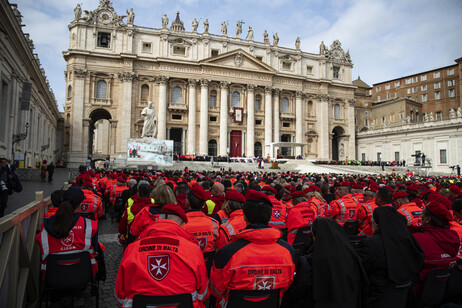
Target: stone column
x=224, y=118
x=299, y=121
x=162, y=112
x=204, y=117
x=351, y=148
x=276, y=120
x=113, y=136
x=76, y=145
x=192, y=117
x=250, y=121
x=126, y=112
x=268, y=120
x=183, y=141
x=85, y=135
x=322, y=114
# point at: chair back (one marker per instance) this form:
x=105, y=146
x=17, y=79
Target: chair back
x=302, y=242
x=454, y=287
x=395, y=296
x=183, y=300
x=254, y=299
x=61, y=267
x=433, y=288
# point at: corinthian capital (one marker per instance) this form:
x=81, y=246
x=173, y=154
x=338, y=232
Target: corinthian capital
x=250, y=87
x=192, y=82
x=224, y=85
x=162, y=79
x=299, y=94
x=205, y=82
x=80, y=73
x=126, y=76
x=268, y=90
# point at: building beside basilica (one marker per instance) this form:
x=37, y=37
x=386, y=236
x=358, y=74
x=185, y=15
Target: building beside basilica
x=213, y=94
x=30, y=123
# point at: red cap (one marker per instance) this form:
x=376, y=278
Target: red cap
x=232, y=194
x=356, y=186
x=290, y=188
x=400, y=194
x=438, y=207
x=121, y=179
x=455, y=189
x=44, y=161
x=298, y=193
x=113, y=176
x=199, y=192
x=87, y=184
x=344, y=183
x=412, y=187
x=436, y=197
x=315, y=188
x=256, y=195
x=270, y=189
x=425, y=192
x=373, y=188
x=173, y=208
x=389, y=188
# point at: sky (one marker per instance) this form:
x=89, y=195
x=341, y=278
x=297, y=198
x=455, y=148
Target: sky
x=387, y=39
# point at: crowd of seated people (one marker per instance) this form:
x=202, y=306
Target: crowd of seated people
x=318, y=240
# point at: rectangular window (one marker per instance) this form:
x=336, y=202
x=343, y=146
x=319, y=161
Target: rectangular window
x=309, y=70
x=285, y=124
x=258, y=122
x=443, y=157
x=215, y=52
x=451, y=71
x=336, y=73
x=424, y=97
x=378, y=98
x=397, y=84
x=379, y=156
x=436, y=75
x=438, y=115
x=423, y=88
x=213, y=119
x=437, y=95
x=146, y=47
x=451, y=83
x=260, y=58
x=437, y=85
x=415, y=89
x=176, y=117
x=366, y=104
x=366, y=122
x=452, y=92
x=378, y=89
x=179, y=50
x=213, y=101
x=408, y=81
x=396, y=156
x=388, y=96
x=286, y=65
x=409, y=91
x=396, y=95
x=415, y=79
x=423, y=77
x=104, y=39
x=387, y=87
x=363, y=156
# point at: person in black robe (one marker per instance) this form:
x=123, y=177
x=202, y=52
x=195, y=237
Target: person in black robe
x=51, y=171
x=391, y=257
x=331, y=274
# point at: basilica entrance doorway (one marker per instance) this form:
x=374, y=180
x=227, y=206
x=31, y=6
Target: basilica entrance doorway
x=235, y=144
x=176, y=134
x=99, y=134
x=338, y=147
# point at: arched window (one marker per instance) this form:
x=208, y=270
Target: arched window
x=257, y=150
x=236, y=100
x=69, y=91
x=101, y=89
x=258, y=102
x=336, y=111
x=213, y=98
x=285, y=105
x=176, y=95
x=212, y=147
x=144, y=92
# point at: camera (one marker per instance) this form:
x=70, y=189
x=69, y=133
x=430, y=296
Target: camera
x=452, y=167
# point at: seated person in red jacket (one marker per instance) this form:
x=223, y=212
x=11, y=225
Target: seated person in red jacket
x=439, y=243
x=166, y=261
x=256, y=259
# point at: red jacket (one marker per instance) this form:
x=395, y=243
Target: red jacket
x=301, y=215
x=319, y=207
x=144, y=218
x=413, y=214
x=230, y=228
x=278, y=217
x=92, y=203
x=80, y=238
x=440, y=247
x=343, y=209
x=256, y=260
x=167, y=261
x=204, y=228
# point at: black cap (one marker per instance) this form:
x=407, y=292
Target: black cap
x=74, y=195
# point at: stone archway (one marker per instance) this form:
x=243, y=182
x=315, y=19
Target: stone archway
x=99, y=134
x=338, y=143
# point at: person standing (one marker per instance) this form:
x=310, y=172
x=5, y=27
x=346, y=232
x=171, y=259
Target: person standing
x=51, y=171
x=4, y=176
x=43, y=170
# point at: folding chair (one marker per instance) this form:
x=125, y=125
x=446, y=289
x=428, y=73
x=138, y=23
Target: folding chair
x=183, y=300
x=454, y=287
x=433, y=288
x=69, y=273
x=254, y=299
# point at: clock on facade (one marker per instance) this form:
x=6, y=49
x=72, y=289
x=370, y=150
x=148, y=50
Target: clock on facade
x=336, y=54
x=105, y=17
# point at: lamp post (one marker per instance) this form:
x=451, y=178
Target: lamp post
x=18, y=138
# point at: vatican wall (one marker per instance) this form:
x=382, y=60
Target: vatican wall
x=29, y=128
x=439, y=140
x=212, y=94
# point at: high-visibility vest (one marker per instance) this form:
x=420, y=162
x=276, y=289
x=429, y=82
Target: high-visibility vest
x=204, y=228
x=279, y=214
x=413, y=214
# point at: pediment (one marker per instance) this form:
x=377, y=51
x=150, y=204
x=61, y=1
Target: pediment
x=239, y=59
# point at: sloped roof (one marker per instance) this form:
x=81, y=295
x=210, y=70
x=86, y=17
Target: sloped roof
x=361, y=84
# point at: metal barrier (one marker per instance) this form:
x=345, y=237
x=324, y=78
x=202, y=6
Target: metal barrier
x=73, y=173
x=20, y=255
x=28, y=174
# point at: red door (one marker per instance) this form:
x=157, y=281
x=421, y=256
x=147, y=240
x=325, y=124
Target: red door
x=235, y=147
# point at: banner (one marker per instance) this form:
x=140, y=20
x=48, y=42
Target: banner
x=149, y=151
